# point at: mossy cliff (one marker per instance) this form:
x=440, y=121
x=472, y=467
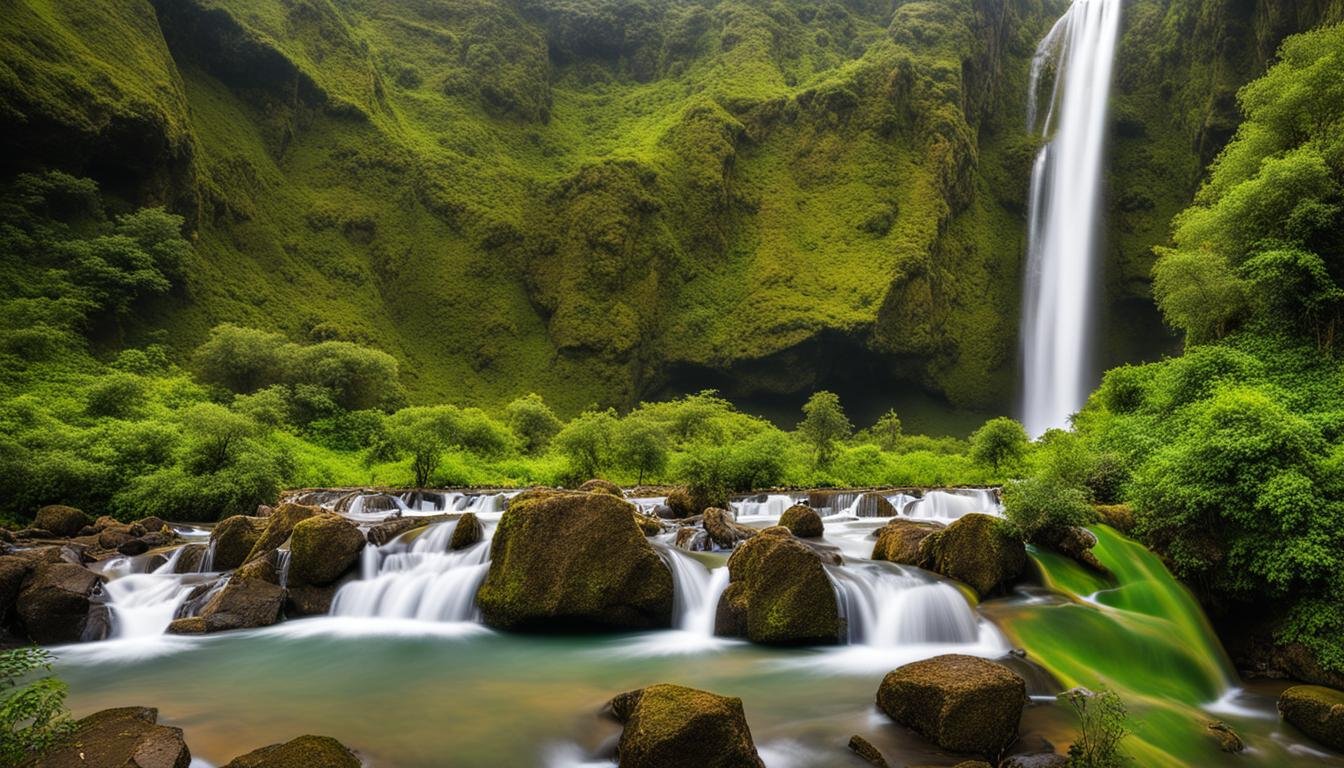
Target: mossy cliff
x=602, y=200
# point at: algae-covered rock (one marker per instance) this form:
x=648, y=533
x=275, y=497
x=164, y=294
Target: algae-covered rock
x=61, y=520
x=233, y=540
x=280, y=524
x=898, y=541
x=803, y=521
x=54, y=603
x=1227, y=739
x=1118, y=516
x=648, y=524
x=723, y=529
x=597, y=485
x=1316, y=711
x=243, y=603
x=688, y=502
x=128, y=737
x=961, y=703
x=322, y=548
x=779, y=593
x=980, y=550
x=667, y=726
x=867, y=752
x=303, y=752
x=573, y=561
x=1074, y=542
x=467, y=532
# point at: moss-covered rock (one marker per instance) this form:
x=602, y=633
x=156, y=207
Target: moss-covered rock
x=1118, y=516
x=723, y=529
x=388, y=530
x=1074, y=542
x=573, y=561
x=867, y=752
x=61, y=520
x=279, y=525
x=303, y=752
x=128, y=737
x=688, y=502
x=899, y=540
x=598, y=485
x=667, y=726
x=322, y=548
x=648, y=524
x=961, y=703
x=54, y=603
x=13, y=571
x=1316, y=711
x=980, y=550
x=304, y=600
x=234, y=539
x=779, y=594
x=467, y=532
x=243, y=603
x=803, y=521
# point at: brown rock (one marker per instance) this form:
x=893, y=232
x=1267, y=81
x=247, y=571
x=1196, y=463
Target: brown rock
x=870, y=754
x=1316, y=711
x=390, y=529
x=670, y=725
x=243, y=603
x=54, y=603
x=279, y=525
x=233, y=540
x=723, y=528
x=60, y=520
x=803, y=521
x=961, y=703
x=303, y=752
x=898, y=541
x=597, y=485
x=778, y=593
x=980, y=550
x=129, y=737
x=323, y=548
x=469, y=531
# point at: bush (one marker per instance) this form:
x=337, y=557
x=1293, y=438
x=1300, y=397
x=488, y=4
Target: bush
x=117, y=395
x=640, y=446
x=533, y=422
x=1040, y=504
x=1001, y=443
x=241, y=360
x=1101, y=722
x=824, y=424
x=33, y=717
x=587, y=442
x=356, y=377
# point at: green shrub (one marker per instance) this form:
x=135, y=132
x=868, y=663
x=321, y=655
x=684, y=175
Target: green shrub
x=33, y=717
x=533, y=422
x=824, y=424
x=118, y=395
x=1037, y=505
x=1000, y=443
x=1101, y=722
x=586, y=442
x=640, y=446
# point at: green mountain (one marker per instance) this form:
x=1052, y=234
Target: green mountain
x=612, y=200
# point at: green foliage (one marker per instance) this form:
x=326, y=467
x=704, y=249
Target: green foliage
x=533, y=422
x=824, y=423
x=887, y=431
x=1038, y=505
x=640, y=446
x=1000, y=443
x=1101, y=721
x=586, y=442
x=33, y=716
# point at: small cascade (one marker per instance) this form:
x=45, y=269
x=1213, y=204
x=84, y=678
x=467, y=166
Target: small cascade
x=887, y=607
x=208, y=560
x=952, y=504
x=696, y=591
x=771, y=505
x=420, y=579
x=282, y=566
x=144, y=604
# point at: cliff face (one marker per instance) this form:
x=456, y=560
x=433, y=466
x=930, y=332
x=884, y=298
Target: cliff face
x=609, y=200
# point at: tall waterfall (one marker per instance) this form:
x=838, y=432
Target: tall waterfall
x=1065, y=190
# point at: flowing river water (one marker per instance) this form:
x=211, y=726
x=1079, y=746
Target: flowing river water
x=402, y=671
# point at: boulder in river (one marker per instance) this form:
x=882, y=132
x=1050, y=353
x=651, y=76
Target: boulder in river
x=598, y=485
x=1076, y=543
x=233, y=540
x=54, y=603
x=979, y=550
x=723, y=528
x=279, y=525
x=13, y=571
x=671, y=725
x=242, y=603
x=898, y=541
x=303, y=752
x=128, y=737
x=779, y=594
x=803, y=521
x=322, y=548
x=961, y=703
x=305, y=600
x=393, y=527
x=468, y=531
x=573, y=561
x=61, y=520
x=688, y=502
x=867, y=752
x=1316, y=711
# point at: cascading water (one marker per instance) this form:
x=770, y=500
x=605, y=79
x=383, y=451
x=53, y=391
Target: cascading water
x=421, y=580
x=892, y=606
x=1064, y=203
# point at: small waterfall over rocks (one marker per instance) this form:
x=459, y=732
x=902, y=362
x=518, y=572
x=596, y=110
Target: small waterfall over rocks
x=420, y=579
x=888, y=606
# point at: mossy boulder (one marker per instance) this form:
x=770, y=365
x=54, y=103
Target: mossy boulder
x=689, y=502
x=303, y=752
x=648, y=524
x=468, y=532
x=128, y=737
x=979, y=550
x=597, y=485
x=866, y=752
x=961, y=703
x=573, y=561
x=61, y=520
x=1316, y=711
x=667, y=726
x=803, y=521
x=280, y=524
x=13, y=572
x=723, y=528
x=152, y=524
x=54, y=603
x=899, y=540
x=1074, y=542
x=243, y=603
x=322, y=548
x=779, y=594
x=233, y=539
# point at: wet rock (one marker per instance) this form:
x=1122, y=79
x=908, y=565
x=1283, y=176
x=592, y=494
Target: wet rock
x=303, y=752
x=243, y=603
x=573, y=561
x=671, y=725
x=265, y=568
x=129, y=737
x=961, y=703
x=723, y=529
x=1076, y=543
x=803, y=521
x=60, y=520
x=118, y=534
x=874, y=505
x=157, y=539
x=899, y=540
x=686, y=502
x=34, y=533
x=980, y=550
x=13, y=571
x=134, y=547
x=778, y=593
x=390, y=529
x=867, y=752
x=597, y=485
x=233, y=540
x=664, y=512
x=648, y=525
x=692, y=539
x=1316, y=711
x=6, y=536
x=1228, y=740
x=305, y=600
x=193, y=555
x=153, y=524
x=468, y=531
x=54, y=603
x=279, y=525
x=322, y=548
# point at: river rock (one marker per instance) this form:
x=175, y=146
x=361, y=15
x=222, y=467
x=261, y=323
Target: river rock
x=898, y=541
x=303, y=752
x=803, y=521
x=874, y=505
x=562, y=561
x=980, y=550
x=648, y=524
x=723, y=528
x=867, y=752
x=279, y=525
x=468, y=531
x=779, y=594
x=322, y=548
x=243, y=603
x=13, y=571
x=1316, y=711
x=686, y=502
x=391, y=528
x=1118, y=516
x=129, y=737
x=1076, y=543
x=597, y=485
x=305, y=600
x=191, y=559
x=670, y=725
x=54, y=602
x=153, y=524
x=233, y=539
x=1228, y=740
x=961, y=703
x=60, y=520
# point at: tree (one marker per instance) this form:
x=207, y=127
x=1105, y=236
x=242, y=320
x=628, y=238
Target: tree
x=1101, y=724
x=1198, y=292
x=33, y=717
x=1000, y=443
x=356, y=377
x=887, y=431
x=1043, y=504
x=824, y=423
x=533, y=422
x=424, y=432
x=640, y=446
x=241, y=360
x=586, y=442
x=215, y=435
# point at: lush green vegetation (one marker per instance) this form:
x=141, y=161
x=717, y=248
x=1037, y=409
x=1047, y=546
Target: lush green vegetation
x=1101, y=725
x=33, y=716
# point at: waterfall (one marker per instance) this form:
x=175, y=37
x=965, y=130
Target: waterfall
x=1065, y=189
x=420, y=580
x=887, y=607
x=695, y=590
x=951, y=504
x=143, y=604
